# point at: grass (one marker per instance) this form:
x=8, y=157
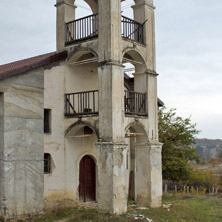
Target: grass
x=189, y=209
x=184, y=208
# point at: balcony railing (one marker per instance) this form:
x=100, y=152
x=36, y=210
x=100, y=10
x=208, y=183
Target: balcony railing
x=132, y=30
x=82, y=29
x=87, y=103
x=135, y=103
x=87, y=28
x=82, y=103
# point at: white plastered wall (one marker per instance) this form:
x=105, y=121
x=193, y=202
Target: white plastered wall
x=66, y=152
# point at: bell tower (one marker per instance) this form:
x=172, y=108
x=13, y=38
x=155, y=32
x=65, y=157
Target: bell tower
x=128, y=150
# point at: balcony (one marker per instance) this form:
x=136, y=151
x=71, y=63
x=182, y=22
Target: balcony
x=82, y=29
x=87, y=103
x=87, y=28
x=82, y=103
x=135, y=103
x=132, y=30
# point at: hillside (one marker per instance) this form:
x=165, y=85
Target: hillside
x=208, y=148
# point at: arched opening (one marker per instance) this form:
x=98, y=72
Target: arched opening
x=126, y=8
x=132, y=21
x=81, y=21
x=83, y=8
x=135, y=135
x=82, y=96
x=87, y=179
x=135, y=83
x=133, y=57
x=80, y=149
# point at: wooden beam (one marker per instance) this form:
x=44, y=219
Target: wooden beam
x=132, y=61
x=85, y=61
x=80, y=136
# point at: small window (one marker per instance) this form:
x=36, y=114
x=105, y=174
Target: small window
x=47, y=120
x=1, y=104
x=47, y=163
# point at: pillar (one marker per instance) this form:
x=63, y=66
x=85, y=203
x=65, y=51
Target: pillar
x=146, y=82
x=111, y=184
x=148, y=175
x=111, y=149
x=65, y=13
x=144, y=12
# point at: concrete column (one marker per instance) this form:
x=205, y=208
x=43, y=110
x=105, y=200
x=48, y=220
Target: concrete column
x=65, y=13
x=111, y=152
x=155, y=174
x=148, y=175
x=152, y=106
x=140, y=82
x=144, y=12
x=147, y=83
x=111, y=179
x=109, y=43
x=111, y=102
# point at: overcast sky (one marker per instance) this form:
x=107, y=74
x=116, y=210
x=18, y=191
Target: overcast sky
x=188, y=43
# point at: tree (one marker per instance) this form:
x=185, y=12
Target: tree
x=178, y=137
x=220, y=155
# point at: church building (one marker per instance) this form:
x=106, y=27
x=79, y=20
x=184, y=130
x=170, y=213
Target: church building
x=74, y=127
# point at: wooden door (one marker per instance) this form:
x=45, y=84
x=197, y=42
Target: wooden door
x=87, y=179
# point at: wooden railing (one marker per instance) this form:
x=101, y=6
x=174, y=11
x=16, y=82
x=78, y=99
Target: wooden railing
x=87, y=103
x=82, y=103
x=82, y=29
x=135, y=103
x=132, y=30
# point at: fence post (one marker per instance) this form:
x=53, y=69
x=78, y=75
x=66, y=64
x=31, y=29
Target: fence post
x=188, y=189
x=197, y=190
x=165, y=188
x=175, y=189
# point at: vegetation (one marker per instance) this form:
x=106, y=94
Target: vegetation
x=205, y=179
x=178, y=137
x=184, y=208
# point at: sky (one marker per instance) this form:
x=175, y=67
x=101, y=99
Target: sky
x=188, y=50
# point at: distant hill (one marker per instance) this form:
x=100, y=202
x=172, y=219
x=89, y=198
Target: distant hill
x=208, y=148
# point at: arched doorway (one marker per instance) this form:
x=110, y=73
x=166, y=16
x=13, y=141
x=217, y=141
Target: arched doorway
x=136, y=138
x=87, y=179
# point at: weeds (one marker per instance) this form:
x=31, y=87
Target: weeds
x=182, y=208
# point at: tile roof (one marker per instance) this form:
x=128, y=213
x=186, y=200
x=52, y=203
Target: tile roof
x=19, y=67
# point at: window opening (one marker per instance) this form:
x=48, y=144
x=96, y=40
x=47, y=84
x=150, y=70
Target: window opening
x=47, y=120
x=47, y=163
x=1, y=104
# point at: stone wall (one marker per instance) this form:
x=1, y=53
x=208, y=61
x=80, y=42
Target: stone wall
x=21, y=156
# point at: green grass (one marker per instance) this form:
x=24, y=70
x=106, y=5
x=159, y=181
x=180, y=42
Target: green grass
x=201, y=208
